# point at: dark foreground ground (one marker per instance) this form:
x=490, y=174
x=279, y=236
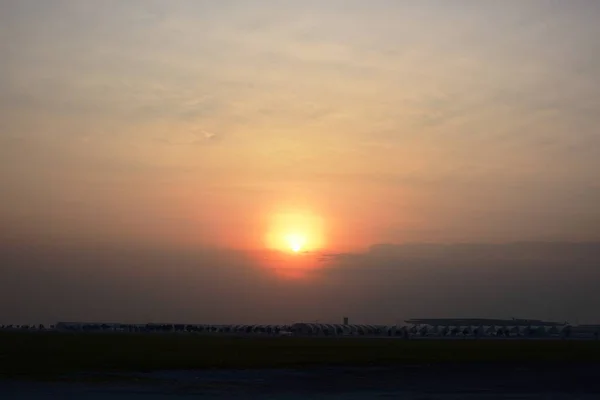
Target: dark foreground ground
x=444, y=382
x=119, y=366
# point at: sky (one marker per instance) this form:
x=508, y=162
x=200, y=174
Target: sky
x=263, y=160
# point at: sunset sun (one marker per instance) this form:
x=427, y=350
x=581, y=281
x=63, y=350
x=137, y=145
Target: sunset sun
x=295, y=242
x=295, y=232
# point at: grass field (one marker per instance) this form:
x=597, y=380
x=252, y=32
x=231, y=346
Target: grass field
x=53, y=354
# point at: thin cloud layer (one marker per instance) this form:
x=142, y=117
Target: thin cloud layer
x=387, y=284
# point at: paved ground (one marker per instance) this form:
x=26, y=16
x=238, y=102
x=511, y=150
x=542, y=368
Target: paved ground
x=429, y=382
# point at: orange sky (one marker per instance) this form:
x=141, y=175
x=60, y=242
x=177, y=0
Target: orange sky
x=192, y=125
x=195, y=124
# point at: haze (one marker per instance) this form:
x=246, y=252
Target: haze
x=146, y=147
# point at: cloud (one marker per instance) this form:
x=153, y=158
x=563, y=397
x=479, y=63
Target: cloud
x=540, y=279
x=107, y=282
x=193, y=136
x=383, y=285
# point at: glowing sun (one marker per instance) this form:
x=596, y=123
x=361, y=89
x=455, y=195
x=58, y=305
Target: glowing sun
x=295, y=242
x=295, y=232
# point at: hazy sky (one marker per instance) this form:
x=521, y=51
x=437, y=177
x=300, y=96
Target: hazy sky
x=210, y=130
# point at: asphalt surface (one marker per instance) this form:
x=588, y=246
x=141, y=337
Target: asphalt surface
x=445, y=382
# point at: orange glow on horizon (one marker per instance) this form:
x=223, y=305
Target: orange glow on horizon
x=290, y=264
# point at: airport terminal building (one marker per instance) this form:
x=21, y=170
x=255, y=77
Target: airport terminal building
x=413, y=328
